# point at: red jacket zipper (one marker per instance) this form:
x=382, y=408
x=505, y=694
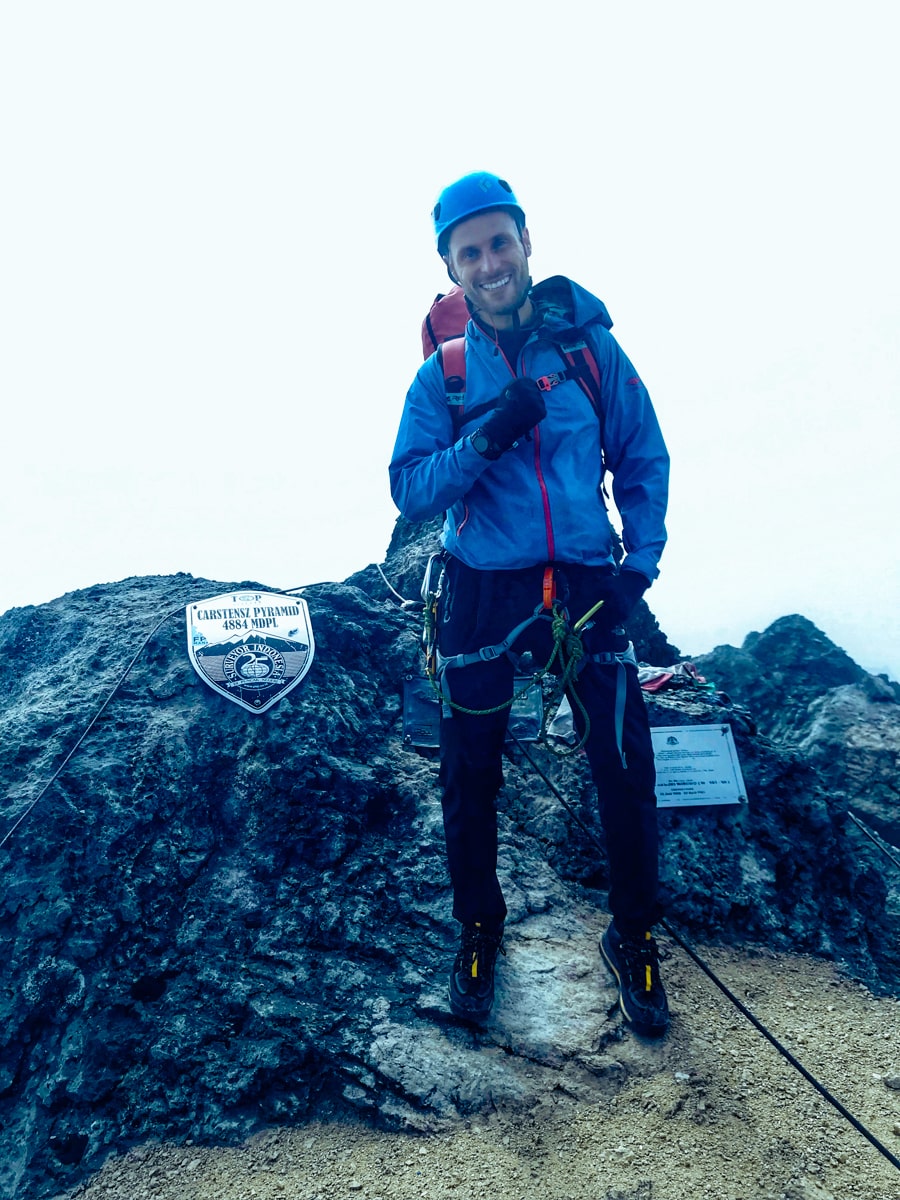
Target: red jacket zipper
x=545, y=499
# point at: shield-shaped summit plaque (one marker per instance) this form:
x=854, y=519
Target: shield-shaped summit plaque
x=252, y=647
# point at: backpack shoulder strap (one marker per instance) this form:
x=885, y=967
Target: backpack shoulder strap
x=582, y=367
x=452, y=355
x=453, y=361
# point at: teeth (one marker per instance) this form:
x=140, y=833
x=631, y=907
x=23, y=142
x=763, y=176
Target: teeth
x=490, y=287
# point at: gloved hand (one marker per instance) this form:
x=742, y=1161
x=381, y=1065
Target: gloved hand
x=519, y=408
x=620, y=594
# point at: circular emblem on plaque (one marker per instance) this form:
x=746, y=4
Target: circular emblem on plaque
x=254, y=664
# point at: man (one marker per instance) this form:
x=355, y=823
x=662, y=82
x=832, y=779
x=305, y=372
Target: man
x=518, y=472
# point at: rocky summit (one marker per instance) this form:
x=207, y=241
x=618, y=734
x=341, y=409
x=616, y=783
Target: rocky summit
x=215, y=920
x=808, y=694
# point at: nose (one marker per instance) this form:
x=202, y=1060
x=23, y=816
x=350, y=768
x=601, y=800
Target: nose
x=490, y=262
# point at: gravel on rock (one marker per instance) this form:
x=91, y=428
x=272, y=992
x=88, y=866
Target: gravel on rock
x=711, y=1112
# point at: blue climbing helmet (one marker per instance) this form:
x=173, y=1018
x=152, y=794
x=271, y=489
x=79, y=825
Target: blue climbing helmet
x=472, y=194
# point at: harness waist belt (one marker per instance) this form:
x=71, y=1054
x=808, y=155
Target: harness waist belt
x=488, y=653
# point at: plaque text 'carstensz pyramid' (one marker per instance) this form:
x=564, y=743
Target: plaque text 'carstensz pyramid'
x=252, y=647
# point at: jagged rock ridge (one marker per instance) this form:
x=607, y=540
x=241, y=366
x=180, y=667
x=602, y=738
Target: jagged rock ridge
x=811, y=696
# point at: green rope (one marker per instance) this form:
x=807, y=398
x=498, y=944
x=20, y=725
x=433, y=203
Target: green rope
x=571, y=652
x=569, y=649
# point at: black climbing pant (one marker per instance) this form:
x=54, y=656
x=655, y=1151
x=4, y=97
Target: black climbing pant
x=478, y=609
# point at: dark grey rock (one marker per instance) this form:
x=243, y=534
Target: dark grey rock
x=779, y=672
x=215, y=920
x=813, y=698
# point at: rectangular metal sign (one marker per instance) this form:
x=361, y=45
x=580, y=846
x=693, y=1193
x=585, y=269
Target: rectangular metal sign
x=697, y=764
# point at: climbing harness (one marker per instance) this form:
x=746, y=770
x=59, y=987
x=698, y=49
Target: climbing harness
x=568, y=649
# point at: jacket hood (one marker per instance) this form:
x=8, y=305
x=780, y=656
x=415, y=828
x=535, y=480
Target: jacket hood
x=560, y=305
x=561, y=302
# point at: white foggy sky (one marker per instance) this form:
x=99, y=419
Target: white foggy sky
x=216, y=254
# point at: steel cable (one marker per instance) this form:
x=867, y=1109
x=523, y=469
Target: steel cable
x=739, y=1005
x=93, y=721
x=873, y=837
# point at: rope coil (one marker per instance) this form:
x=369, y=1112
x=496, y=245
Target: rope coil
x=568, y=648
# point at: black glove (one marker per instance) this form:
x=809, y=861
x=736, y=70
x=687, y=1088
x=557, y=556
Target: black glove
x=620, y=594
x=519, y=408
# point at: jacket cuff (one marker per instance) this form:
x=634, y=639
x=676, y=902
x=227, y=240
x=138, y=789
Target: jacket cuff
x=641, y=565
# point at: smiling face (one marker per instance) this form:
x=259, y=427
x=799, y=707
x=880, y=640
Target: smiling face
x=488, y=257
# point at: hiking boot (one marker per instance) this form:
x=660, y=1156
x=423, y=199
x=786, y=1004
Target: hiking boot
x=472, y=976
x=634, y=961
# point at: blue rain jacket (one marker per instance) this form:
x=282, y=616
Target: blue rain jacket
x=541, y=501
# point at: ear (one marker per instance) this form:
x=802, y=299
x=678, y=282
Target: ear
x=526, y=242
x=446, y=259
